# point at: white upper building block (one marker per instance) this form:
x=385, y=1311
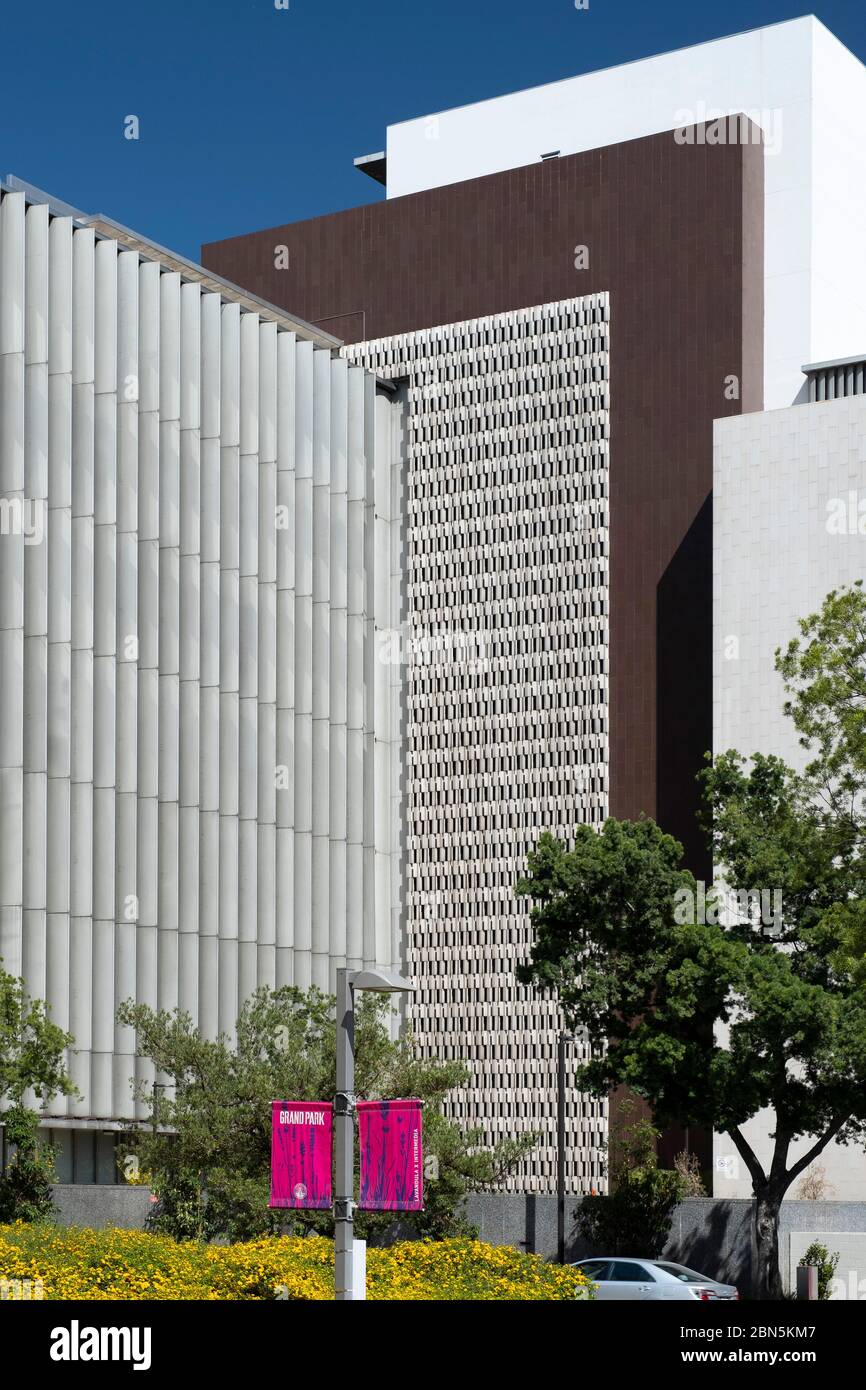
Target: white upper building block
x=795, y=80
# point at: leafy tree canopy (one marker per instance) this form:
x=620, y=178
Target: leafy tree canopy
x=212, y=1170
x=31, y=1046
x=649, y=990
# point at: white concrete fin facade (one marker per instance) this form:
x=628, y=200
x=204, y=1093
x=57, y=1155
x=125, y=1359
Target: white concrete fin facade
x=199, y=747
x=795, y=80
x=505, y=650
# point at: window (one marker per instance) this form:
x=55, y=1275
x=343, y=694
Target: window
x=625, y=1273
x=686, y=1276
x=597, y=1270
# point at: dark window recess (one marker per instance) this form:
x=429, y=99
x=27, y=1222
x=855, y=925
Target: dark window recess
x=625, y=1273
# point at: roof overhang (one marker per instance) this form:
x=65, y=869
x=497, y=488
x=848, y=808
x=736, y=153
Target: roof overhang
x=106, y=227
x=375, y=166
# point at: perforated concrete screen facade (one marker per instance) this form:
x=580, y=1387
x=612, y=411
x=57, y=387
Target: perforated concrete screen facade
x=198, y=761
x=496, y=243
x=505, y=652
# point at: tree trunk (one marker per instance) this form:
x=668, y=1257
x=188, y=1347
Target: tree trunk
x=768, y=1276
x=769, y=1192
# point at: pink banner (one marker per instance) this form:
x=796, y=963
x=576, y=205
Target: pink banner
x=392, y=1157
x=301, y=1147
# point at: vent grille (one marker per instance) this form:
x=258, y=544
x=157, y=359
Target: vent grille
x=830, y=380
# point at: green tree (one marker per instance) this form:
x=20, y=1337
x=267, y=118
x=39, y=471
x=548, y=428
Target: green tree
x=211, y=1171
x=651, y=991
x=31, y=1060
x=712, y=1023
x=824, y=671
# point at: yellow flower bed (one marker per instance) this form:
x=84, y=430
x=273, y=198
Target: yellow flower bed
x=460, y=1269
x=74, y=1263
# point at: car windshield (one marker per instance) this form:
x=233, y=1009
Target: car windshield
x=686, y=1276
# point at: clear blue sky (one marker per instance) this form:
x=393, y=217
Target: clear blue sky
x=251, y=116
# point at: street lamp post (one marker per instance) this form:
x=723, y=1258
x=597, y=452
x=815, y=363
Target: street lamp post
x=560, y=1147
x=348, y=981
x=561, y=1041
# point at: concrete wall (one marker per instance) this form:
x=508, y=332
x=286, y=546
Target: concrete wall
x=86, y=1204
x=711, y=1235
x=849, y=1281
x=788, y=526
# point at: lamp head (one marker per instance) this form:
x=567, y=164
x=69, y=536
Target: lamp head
x=381, y=981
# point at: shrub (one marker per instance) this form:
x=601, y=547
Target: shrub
x=688, y=1166
x=635, y=1219
x=819, y=1255
x=25, y=1187
x=31, y=1060
x=85, y=1264
x=815, y=1186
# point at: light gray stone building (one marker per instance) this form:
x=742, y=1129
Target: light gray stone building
x=199, y=746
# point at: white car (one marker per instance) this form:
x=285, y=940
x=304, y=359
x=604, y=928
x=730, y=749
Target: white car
x=621, y=1278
